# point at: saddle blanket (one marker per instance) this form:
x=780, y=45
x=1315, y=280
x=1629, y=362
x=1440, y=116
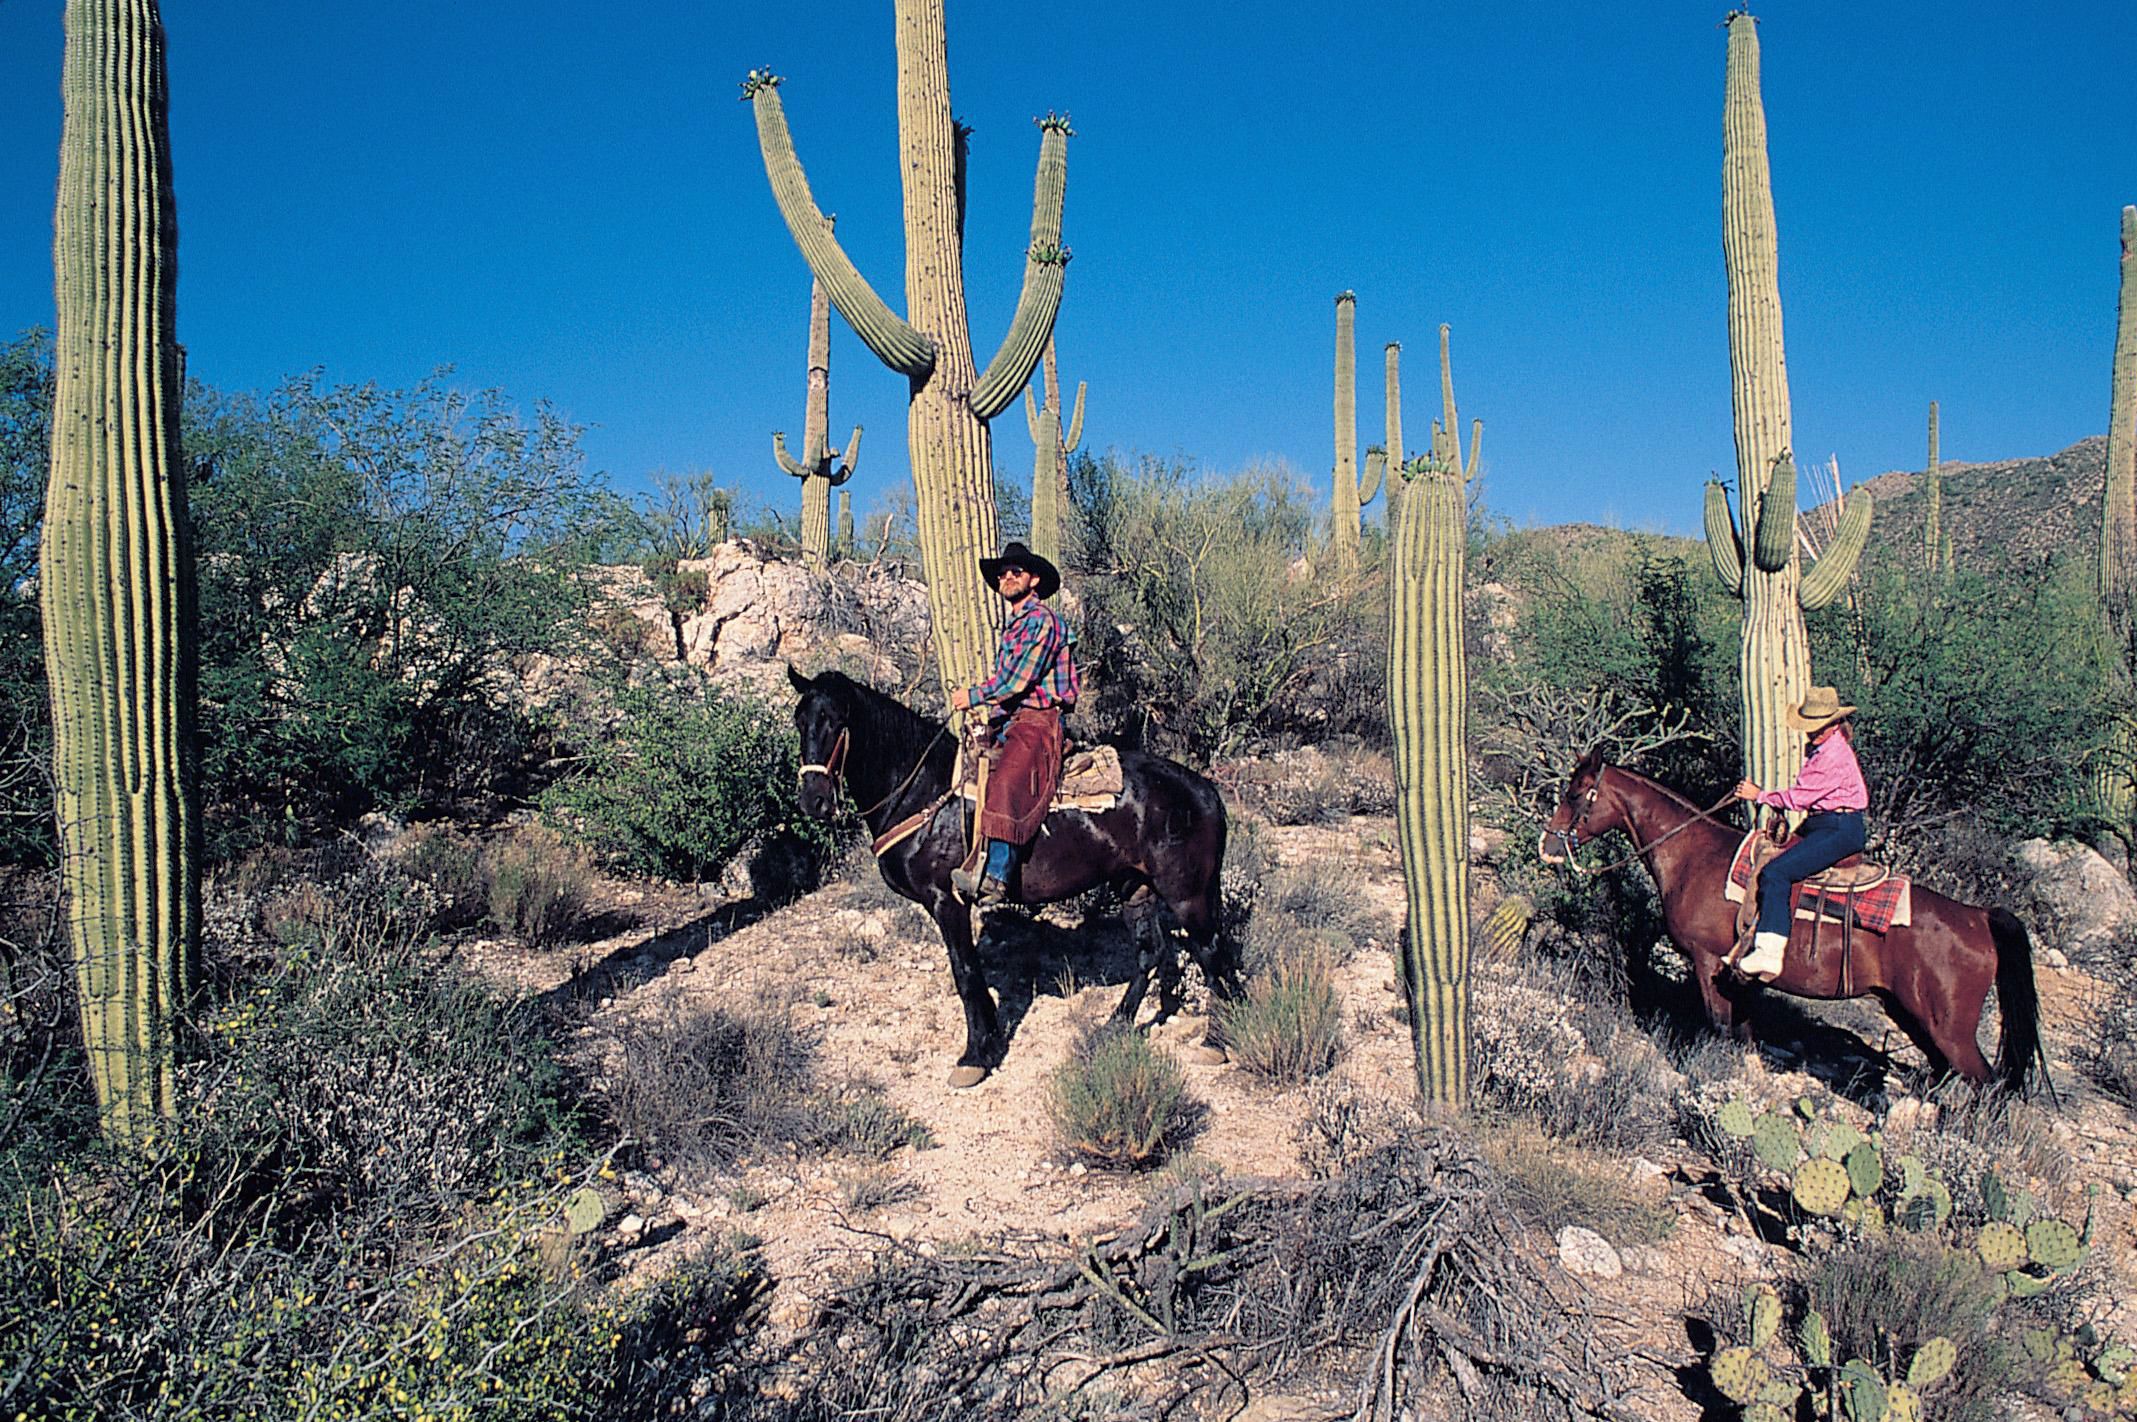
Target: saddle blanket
x=1090, y=780
x=1888, y=903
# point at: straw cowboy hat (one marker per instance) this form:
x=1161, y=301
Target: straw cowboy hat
x=1016, y=555
x=1820, y=708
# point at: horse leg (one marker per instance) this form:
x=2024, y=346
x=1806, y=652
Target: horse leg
x=1218, y=960
x=1721, y=1010
x=1140, y=914
x=1946, y=1041
x=983, y=1030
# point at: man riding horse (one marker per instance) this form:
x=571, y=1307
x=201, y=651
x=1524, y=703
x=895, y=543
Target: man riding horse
x=1033, y=685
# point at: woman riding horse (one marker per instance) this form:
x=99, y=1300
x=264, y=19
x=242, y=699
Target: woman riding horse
x=1933, y=974
x=1830, y=788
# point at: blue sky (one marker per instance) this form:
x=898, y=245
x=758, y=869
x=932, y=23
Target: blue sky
x=566, y=201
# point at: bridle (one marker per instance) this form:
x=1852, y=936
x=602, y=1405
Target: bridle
x=1569, y=837
x=833, y=764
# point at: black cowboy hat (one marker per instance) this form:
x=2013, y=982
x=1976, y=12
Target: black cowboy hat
x=1016, y=555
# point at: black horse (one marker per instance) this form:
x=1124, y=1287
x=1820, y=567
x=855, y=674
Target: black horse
x=1164, y=842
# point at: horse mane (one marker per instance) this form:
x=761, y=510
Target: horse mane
x=890, y=727
x=1682, y=800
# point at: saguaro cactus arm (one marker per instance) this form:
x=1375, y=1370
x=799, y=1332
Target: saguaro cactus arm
x=1074, y=436
x=882, y=330
x=1722, y=544
x=1031, y=414
x=1447, y=421
x=1476, y=450
x=849, y=459
x=787, y=461
x=2118, y=528
x=1045, y=271
x=1774, y=541
x=1824, y=579
x=1376, y=468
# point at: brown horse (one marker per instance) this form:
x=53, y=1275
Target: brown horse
x=1932, y=975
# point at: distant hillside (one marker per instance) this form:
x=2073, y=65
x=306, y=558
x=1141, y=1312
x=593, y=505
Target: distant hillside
x=2010, y=511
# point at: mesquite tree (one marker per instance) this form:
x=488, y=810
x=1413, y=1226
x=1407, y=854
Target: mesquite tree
x=951, y=401
x=116, y=569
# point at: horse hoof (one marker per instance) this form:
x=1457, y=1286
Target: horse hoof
x=1203, y=1054
x=963, y=1078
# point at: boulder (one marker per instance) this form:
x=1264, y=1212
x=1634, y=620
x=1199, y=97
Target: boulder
x=2089, y=903
x=1582, y=1251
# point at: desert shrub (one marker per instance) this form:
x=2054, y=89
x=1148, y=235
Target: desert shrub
x=2109, y=1054
x=861, y=1120
x=1206, y=622
x=450, y=865
x=537, y=887
x=26, y=825
x=371, y=563
x=1118, y=1100
x=1289, y=1024
x=1530, y=1057
x=1979, y=708
x=1320, y=908
x=1883, y=1297
x=688, y=778
x=700, y=1088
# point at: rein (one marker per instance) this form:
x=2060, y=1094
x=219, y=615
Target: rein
x=834, y=766
x=1639, y=851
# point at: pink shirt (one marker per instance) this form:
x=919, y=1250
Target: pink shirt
x=1830, y=780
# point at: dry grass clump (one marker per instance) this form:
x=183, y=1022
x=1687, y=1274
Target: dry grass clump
x=2109, y=1051
x=860, y=1120
x=538, y=887
x=451, y=864
x=1288, y=1026
x=701, y=1088
x=1554, y=1183
x=1883, y=1297
x=1118, y=1100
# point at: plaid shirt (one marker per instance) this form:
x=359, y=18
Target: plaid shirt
x=1033, y=666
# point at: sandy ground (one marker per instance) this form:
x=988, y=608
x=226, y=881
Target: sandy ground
x=866, y=977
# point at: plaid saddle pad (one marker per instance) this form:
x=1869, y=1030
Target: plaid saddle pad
x=1888, y=903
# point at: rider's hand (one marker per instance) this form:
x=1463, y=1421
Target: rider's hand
x=960, y=699
x=1746, y=790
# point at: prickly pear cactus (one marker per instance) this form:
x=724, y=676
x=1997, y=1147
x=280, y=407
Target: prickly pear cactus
x=1820, y=1186
x=2001, y=1247
x=1734, y=1118
x=1932, y=1362
x=1762, y=1314
x=1862, y=1391
x=1817, y=1341
x=1777, y=1141
x=1866, y=1169
x=1739, y=1375
x=585, y=1210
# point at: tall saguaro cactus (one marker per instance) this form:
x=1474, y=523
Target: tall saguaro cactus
x=818, y=468
x=1428, y=711
x=2118, y=527
x=951, y=400
x=1392, y=361
x=1051, y=449
x=1933, y=494
x=1345, y=503
x=116, y=570
x=1775, y=652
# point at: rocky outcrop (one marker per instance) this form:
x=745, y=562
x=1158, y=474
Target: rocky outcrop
x=745, y=613
x=2089, y=907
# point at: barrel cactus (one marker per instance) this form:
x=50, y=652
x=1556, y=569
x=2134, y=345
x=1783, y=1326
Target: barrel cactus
x=1052, y=445
x=116, y=576
x=951, y=400
x=820, y=468
x=1757, y=559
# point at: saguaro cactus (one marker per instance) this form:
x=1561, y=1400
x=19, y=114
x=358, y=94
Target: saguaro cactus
x=951, y=401
x=1392, y=359
x=1933, y=496
x=845, y=522
x=2118, y=528
x=116, y=569
x=1445, y=443
x=818, y=468
x=1428, y=710
x=1775, y=653
x=1051, y=449
x=1345, y=503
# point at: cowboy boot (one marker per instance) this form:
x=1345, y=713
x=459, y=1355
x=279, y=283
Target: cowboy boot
x=977, y=888
x=1766, y=957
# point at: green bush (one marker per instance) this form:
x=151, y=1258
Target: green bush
x=1288, y=1026
x=1208, y=621
x=688, y=778
x=26, y=827
x=1118, y=1100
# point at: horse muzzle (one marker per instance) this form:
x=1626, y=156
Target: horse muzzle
x=1566, y=842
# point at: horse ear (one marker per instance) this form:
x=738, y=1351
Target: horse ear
x=801, y=683
x=1589, y=763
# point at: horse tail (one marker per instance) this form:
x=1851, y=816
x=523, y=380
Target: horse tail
x=2018, y=1003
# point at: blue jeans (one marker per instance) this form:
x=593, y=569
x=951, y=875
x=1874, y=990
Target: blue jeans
x=1824, y=841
